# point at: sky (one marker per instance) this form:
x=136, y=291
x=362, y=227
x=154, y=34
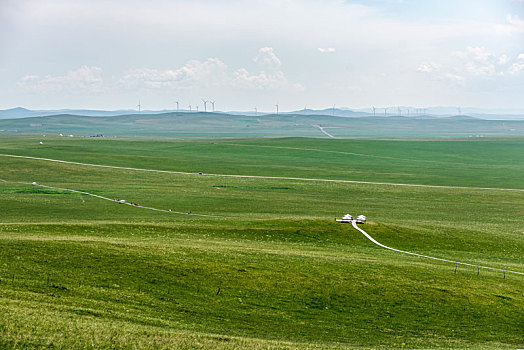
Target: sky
x=101, y=54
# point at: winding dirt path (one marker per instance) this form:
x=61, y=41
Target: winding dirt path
x=354, y=223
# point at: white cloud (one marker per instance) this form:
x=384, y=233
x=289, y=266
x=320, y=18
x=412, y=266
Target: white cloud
x=262, y=80
x=269, y=77
x=478, y=62
x=83, y=78
x=267, y=59
x=518, y=65
x=479, y=70
x=428, y=67
x=479, y=54
x=473, y=63
x=326, y=50
x=516, y=23
x=211, y=72
x=195, y=74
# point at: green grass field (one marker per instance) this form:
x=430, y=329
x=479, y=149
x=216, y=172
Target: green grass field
x=273, y=270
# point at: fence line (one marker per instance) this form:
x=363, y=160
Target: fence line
x=504, y=270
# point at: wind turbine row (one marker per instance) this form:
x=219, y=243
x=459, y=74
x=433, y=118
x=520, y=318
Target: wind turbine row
x=190, y=107
x=212, y=105
x=419, y=111
x=139, y=106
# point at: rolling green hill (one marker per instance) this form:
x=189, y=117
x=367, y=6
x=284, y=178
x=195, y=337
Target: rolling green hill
x=272, y=270
x=215, y=125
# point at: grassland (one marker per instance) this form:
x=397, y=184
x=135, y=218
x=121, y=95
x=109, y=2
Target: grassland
x=217, y=125
x=274, y=270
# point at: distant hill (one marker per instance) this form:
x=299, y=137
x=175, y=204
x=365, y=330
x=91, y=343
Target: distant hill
x=20, y=112
x=17, y=112
x=337, y=112
x=223, y=125
x=462, y=117
x=407, y=112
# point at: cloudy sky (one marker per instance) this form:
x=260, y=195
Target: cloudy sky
x=315, y=53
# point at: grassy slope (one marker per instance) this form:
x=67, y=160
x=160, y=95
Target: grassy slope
x=95, y=273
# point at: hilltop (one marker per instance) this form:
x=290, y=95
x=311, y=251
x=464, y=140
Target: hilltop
x=219, y=125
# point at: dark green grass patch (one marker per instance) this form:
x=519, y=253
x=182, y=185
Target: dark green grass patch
x=32, y=190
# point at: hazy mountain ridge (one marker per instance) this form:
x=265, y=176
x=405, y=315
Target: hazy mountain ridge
x=221, y=125
x=408, y=112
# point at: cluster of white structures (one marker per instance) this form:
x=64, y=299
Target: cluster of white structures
x=348, y=219
x=61, y=135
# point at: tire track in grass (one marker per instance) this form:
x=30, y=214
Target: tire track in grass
x=339, y=152
x=354, y=223
x=265, y=177
x=112, y=200
x=323, y=131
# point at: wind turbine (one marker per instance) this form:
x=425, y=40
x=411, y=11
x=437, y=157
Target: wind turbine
x=205, y=105
x=385, y=112
x=277, y=107
x=399, y=112
x=197, y=108
x=177, y=106
x=212, y=105
x=139, y=106
x=256, y=111
x=189, y=108
x=333, y=110
x=459, y=110
x=373, y=111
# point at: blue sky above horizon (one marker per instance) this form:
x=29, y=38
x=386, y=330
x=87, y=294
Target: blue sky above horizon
x=110, y=54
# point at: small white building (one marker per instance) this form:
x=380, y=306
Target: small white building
x=346, y=219
x=361, y=219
